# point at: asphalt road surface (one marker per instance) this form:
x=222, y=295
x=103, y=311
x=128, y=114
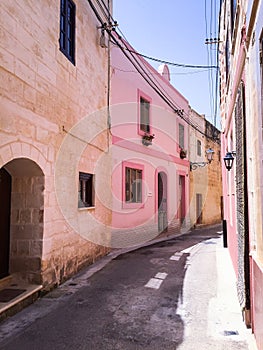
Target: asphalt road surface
x=163, y=296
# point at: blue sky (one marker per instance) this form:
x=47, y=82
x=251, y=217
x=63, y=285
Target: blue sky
x=176, y=30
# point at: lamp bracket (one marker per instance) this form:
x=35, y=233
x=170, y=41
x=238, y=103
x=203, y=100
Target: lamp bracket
x=209, y=155
x=195, y=165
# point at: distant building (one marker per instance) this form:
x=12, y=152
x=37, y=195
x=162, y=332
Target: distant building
x=205, y=178
x=240, y=52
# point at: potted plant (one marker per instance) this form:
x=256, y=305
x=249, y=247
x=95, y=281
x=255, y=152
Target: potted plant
x=147, y=139
x=183, y=153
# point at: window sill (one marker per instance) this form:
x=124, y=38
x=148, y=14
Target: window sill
x=86, y=208
x=69, y=57
x=132, y=205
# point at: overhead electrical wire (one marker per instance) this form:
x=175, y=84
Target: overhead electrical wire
x=208, y=56
x=145, y=75
x=157, y=73
x=212, y=56
x=173, y=63
x=138, y=65
x=171, y=103
x=164, y=95
x=183, y=65
x=217, y=60
x=213, y=34
x=148, y=78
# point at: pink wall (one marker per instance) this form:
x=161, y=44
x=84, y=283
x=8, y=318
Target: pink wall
x=228, y=178
x=257, y=301
x=230, y=207
x=162, y=156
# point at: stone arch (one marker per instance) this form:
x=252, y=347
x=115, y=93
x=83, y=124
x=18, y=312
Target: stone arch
x=19, y=149
x=26, y=225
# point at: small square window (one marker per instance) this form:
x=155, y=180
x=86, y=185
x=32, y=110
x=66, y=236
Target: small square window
x=67, y=29
x=86, y=190
x=133, y=185
x=144, y=115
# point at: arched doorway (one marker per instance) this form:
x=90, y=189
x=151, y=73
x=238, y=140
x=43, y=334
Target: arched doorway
x=162, y=202
x=22, y=219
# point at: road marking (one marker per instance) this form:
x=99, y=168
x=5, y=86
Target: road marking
x=161, y=275
x=176, y=256
x=157, y=280
x=154, y=283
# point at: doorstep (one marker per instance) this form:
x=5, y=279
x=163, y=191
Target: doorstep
x=15, y=295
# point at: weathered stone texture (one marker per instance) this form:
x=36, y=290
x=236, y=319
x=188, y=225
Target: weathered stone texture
x=42, y=92
x=205, y=181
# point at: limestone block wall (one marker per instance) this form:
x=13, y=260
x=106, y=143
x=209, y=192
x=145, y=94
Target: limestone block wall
x=212, y=211
x=198, y=177
x=205, y=182
x=26, y=231
x=43, y=97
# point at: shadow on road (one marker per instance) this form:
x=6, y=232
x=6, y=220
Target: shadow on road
x=145, y=318
x=115, y=309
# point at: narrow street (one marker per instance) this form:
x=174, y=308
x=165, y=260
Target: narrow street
x=176, y=294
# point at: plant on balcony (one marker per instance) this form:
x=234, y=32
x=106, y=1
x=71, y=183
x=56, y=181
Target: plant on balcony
x=183, y=153
x=147, y=139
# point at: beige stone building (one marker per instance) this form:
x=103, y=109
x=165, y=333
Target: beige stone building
x=54, y=154
x=205, y=179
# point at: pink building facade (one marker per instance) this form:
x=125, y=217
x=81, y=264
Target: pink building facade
x=241, y=35
x=150, y=177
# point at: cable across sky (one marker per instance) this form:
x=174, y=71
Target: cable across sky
x=140, y=66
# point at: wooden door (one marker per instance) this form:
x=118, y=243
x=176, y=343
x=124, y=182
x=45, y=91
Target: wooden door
x=162, y=202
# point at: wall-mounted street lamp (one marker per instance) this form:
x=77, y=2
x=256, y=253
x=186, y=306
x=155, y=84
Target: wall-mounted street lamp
x=229, y=159
x=209, y=156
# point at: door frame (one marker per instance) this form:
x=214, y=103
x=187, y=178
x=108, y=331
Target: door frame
x=5, y=214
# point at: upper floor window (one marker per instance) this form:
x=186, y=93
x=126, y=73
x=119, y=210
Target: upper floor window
x=144, y=115
x=86, y=190
x=67, y=29
x=198, y=148
x=181, y=136
x=133, y=185
x=233, y=12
